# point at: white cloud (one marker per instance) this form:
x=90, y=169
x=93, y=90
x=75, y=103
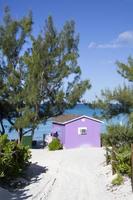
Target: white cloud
x=124, y=39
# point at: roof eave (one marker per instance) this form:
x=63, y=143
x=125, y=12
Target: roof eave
x=91, y=118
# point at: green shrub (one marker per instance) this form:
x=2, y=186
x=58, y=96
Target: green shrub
x=118, y=180
x=120, y=138
x=104, y=139
x=13, y=159
x=123, y=158
x=55, y=145
x=108, y=155
x=118, y=135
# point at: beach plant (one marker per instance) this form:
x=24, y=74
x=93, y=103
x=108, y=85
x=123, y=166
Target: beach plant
x=118, y=135
x=104, y=139
x=108, y=155
x=118, y=180
x=55, y=144
x=14, y=158
x=120, y=160
x=123, y=159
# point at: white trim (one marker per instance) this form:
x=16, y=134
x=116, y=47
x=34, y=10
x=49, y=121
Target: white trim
x=83, y=116
x=79, y=130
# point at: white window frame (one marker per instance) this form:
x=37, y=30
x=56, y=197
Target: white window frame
x=80, y=130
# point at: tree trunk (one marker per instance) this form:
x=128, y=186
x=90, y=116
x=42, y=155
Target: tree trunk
x=2, y=132
x=20, y=132
x=32, y=132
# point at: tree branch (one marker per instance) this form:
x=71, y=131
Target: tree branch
x=2, y=127
x=10, y=121
x=27, y=131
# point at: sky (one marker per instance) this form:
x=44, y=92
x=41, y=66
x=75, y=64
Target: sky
x=105, y=28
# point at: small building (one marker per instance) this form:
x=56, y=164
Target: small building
x=76, y=131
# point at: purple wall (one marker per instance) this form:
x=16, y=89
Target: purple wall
x=61, y=132
x=69, y=133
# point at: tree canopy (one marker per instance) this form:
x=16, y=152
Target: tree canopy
x=39, y=76
x=119, y=100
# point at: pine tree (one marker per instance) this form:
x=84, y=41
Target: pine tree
x=119, y=100
x=40, y=80
x=13, y=36
x=53, y=81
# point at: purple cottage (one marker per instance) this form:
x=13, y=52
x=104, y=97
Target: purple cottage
x=77, y=131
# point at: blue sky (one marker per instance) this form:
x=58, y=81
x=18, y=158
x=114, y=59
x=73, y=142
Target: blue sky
x=105, y=28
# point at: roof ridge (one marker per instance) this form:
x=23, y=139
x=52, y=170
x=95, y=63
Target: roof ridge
x=67, y=118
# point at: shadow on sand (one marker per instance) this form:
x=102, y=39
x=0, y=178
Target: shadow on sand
x=32, y=176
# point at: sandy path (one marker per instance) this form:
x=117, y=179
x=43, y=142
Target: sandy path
x=76, y=174
x=79, y=176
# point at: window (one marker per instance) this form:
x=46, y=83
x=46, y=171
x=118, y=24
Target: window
x=82, y=130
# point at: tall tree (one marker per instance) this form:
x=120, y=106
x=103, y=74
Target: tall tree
x=120, y=100
x=53, y=80
x=13, y=36
x=41, y=80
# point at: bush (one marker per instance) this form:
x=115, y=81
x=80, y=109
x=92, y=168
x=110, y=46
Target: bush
x=104, y=139
x=118, y=180
x=55, y=145
x=108, y=155
x=120, y=138
x=118, y=135
x=123, y=159
x=13, y=159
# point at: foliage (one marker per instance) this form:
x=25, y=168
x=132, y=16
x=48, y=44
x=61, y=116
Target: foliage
x=118, y=180
x=55, y=144
x=113, y=103
x=119, y=100
x=14, y=34
x=118, y=135
x=39, y=76
x=108, y=155
x=14, y=158
x=104, y=139
x=54, y=74
x=123, y=159
x=120, y=159
x=120, y=138
x=126, y=70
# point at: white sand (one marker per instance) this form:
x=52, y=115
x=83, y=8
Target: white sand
x=76, y=174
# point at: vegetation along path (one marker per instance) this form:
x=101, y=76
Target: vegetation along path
x=75, y=174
